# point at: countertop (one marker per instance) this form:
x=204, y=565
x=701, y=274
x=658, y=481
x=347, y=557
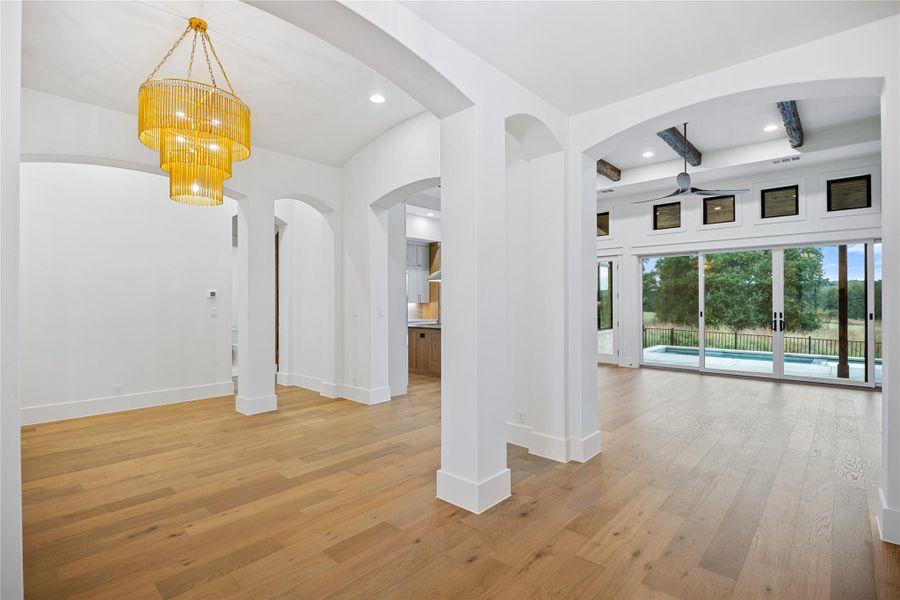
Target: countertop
x=424, y=325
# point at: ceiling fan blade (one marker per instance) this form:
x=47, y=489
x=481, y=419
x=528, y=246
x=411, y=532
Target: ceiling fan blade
x=702, y=192
x=672, y=195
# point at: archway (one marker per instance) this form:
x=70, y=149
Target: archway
x=625, y=125
x=535, y=280
x=390, y=210
x=308, y=296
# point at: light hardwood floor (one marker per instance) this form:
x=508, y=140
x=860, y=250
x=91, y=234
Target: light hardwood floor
x=708, y=487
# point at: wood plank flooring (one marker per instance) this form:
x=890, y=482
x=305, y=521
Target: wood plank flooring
x=708, y=487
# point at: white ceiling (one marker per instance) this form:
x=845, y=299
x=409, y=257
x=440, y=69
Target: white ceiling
x=307, y=98
x=582, y=55
x=424, y=202
x=745, y=126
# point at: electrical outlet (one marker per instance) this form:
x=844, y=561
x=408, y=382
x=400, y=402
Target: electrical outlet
x=117, y=389
x=520, y=414
x=354, y=382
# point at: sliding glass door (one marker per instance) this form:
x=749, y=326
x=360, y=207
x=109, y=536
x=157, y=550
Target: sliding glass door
x=737, y=304
x=670, y=324
x=805, y=313
x=825, y=312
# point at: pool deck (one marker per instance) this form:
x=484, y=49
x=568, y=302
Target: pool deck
x=819, y=368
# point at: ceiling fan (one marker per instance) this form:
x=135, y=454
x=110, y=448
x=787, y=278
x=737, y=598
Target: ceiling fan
x=684, y=185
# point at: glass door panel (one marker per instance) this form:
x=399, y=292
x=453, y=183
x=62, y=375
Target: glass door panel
x=671, y=325
x=737, y=302
x=825, y=310
x=606, y=323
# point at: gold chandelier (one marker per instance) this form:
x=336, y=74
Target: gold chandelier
x=198, y=129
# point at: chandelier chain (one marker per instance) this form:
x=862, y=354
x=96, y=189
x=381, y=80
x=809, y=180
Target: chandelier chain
x=219, y=62
x=169, y=53
x=208, y=64
x=193, y=49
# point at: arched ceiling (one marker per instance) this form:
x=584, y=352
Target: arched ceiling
x=308, y=99
x=583, y=55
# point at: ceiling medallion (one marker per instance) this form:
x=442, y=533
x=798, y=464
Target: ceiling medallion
x=198, y=129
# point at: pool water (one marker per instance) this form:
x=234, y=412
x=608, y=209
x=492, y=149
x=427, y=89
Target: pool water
x=802, y=359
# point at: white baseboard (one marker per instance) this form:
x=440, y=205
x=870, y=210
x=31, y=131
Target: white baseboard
x=255, y=406
x=329, y=389
x=334, y=390
x=582, y=450
x=307, y=382
x=517, y=434
x=365, y=395
x=548, y=446
x=99, y=406
x=472, y=496
x=888, y=520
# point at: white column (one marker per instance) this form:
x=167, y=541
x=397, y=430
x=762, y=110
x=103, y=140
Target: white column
x=10, y=470
x=889, y=492
x=581, y=311
x=473, y=472
x=256, y=307
x=398, y=363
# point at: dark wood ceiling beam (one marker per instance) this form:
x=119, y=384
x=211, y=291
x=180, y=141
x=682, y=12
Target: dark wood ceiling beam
x=792, y=125
x=681, y=146
x=609, y=171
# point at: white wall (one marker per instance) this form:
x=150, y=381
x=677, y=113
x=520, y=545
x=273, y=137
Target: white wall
x=631, y=234
x=114, y=280
x=423, y=228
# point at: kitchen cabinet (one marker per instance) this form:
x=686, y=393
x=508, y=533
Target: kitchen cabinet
x=424, y=351
x=417, y=288
x=417, y=255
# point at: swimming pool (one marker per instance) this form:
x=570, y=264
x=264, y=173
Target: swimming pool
x=795, y=365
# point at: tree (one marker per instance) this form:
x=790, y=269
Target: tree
x=650, y=285
x=803, y=278
x=739, y=289
x=676, y=298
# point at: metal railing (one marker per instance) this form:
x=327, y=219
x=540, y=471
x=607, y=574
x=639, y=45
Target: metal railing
x=754, y=342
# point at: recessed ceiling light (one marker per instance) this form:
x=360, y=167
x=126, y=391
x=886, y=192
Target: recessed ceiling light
x=647, y=154
x=376, y=99
x=770, y=127
x=430, y=214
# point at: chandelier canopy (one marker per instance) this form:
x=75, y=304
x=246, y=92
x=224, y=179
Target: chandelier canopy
x=198, y=129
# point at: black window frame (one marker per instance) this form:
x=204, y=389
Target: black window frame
x=655, y=215
x=762, y=201
x=733, y=208
x=868, y=179
x=608, y=224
